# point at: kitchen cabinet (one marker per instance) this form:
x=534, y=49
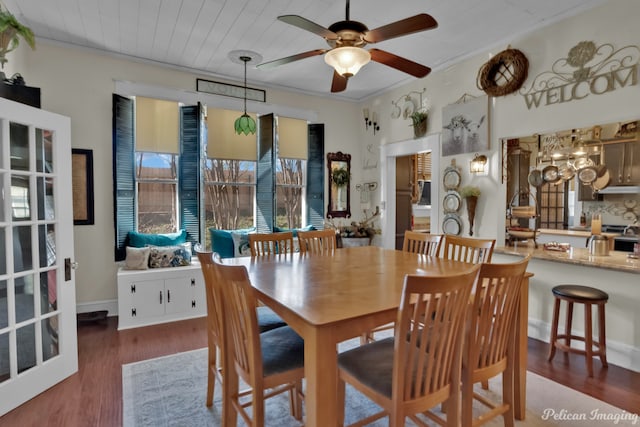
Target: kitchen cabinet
x=148, y=297
x=623, y=161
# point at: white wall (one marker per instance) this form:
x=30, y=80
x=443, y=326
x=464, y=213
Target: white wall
x=613, y=23
x=79, y=84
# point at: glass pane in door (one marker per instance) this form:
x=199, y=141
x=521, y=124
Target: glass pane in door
x=48, y=292
x=3, y=250
x=47, y=245
x=26, y=342
x=25, y=298
x=20, y=198
x=44, y=152
x=22, y=257
x=4, y=314
x=19, y=137
x=4, y=357
x=50, y=338
x=44, y=196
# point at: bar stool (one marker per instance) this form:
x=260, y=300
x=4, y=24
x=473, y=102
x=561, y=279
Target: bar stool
x=587, y=296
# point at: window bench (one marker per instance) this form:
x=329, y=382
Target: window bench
x=159, y=295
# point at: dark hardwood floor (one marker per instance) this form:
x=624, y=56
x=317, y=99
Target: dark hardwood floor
x=93, y=396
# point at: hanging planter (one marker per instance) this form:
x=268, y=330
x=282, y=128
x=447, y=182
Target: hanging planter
x=470, y=194
x=10, y=33
x=419, y=122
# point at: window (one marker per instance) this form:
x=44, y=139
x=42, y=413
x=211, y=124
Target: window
x=553, y=201
x=157, y=190
x=290, y=192
x=197, y=185
x=229, y=194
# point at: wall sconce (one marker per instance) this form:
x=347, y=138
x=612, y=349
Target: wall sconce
x=479, y=165
x=371, y=120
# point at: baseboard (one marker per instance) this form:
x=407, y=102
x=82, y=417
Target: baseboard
x=619, y=354
x=110, y=305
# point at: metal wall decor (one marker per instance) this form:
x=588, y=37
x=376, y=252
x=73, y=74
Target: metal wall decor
x=587, y=70
x=408, y=104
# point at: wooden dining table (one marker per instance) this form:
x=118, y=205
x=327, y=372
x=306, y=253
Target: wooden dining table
x=328, y=299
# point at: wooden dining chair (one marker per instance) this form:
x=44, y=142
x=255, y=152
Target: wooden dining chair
x=271, y=362
x=316, y=242
x=267, y=320
x=414, y=242
x=421, y=243
x=491, y=339
x=264, y=244
x=466, y=249
x=419, y=367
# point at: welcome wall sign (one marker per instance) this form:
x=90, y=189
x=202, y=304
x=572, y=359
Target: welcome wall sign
x=586, y=71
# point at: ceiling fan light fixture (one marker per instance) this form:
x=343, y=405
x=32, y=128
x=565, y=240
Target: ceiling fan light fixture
x=347, y=60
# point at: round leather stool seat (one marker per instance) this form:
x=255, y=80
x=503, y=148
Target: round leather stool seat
x=578, y=292
x=588, y=297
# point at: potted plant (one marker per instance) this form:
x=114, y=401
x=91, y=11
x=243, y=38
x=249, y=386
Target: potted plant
x=10, y=33
x=470, y=194
x=419, y=122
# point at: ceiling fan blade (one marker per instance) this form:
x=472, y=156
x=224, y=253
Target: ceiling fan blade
x=305, y=24
x=286, y=60
x=339, y=83
x=413, y=24
x=399, y=63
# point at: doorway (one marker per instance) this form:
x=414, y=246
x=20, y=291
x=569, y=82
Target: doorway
x=388, y=155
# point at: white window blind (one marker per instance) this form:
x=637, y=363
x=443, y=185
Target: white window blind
x=157, y=125
x=292, y=138
x=222, y=140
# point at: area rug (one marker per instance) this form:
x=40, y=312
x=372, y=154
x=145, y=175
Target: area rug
x=171, y=391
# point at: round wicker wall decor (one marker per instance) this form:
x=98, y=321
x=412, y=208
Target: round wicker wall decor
x=504, y=73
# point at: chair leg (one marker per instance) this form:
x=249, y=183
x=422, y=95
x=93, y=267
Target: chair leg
x=588, y=338
x=211, y=376
x=296, y=400
x=554, y=330
x=602, y=335
x=508, y=389
x=567, y=328
x=467, y=399
x=340, y=396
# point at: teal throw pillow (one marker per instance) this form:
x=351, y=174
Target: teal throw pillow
x=140, y=240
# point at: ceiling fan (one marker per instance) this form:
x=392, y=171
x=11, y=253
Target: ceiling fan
x=347, y=40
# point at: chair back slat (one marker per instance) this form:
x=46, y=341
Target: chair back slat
x=493, y=314
x=421, y=243
x=466, y=249
x=265, y=244
x=432, y=317
x=316, y=242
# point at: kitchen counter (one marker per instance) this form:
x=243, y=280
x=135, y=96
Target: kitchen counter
x=614, y=274
x=616, y=260
x=576, y=238
x=574, y=233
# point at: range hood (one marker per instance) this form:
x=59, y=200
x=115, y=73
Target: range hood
x=621, y=189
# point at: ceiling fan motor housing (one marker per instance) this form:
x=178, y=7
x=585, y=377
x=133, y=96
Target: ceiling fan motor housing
x=350, y=33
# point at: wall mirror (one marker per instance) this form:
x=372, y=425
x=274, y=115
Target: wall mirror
x=339, y=165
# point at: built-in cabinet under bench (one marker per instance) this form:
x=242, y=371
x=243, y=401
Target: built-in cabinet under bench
x=159, y=295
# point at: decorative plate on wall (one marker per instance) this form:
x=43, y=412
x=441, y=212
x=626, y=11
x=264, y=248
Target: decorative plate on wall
x=451, y=178
x=452, y=224
x=451, y=202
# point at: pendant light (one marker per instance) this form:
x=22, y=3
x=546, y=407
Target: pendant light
x=245, y=123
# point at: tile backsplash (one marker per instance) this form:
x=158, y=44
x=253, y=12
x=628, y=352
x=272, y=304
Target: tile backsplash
x=616, y=209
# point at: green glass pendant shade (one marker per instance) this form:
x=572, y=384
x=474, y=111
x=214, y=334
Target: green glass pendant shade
x=245, y=124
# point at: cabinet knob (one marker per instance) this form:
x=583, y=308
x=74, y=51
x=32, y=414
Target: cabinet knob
x=160, y=297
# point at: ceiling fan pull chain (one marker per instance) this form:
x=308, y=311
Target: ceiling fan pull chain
x=347, y=11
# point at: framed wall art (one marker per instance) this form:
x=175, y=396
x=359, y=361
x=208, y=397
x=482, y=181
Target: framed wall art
x=465, y=126
x=82, y=185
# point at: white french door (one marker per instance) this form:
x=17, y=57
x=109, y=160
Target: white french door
x=38, y=340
